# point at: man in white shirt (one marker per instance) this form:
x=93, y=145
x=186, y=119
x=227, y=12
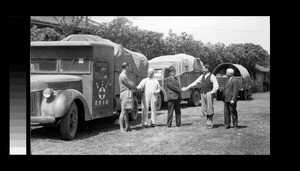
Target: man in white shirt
x=209, y=85
x=151, y=88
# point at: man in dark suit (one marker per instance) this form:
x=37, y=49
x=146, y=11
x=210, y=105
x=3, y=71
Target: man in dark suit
x=230, y=97
x=174, y=97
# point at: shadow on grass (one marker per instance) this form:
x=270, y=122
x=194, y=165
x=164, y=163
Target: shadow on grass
x=182, y=124
x=242, y=126
x=218, y=125
x=185, y=105
x=85, y=130
x=45, y=133
x=222, y=125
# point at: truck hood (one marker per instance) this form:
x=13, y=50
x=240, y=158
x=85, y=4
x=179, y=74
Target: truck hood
x=41, y=82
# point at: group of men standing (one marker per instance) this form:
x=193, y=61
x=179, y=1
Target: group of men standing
x=172, y=93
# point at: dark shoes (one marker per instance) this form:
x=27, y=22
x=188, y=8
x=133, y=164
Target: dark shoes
x=152, y=125
x=169, y=126
x=236, y=127
x=128, y=129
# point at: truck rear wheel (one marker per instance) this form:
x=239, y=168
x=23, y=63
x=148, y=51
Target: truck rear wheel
x=219, y=95
x=69, y=123
x=249, y=95
x=243, y=95
x=195, y=98
x=134, y=114
x=159, y=102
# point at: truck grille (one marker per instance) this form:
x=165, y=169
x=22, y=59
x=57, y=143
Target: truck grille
x=35, y=103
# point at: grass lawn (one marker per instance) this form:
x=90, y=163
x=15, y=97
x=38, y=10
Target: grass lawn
x=102, y=136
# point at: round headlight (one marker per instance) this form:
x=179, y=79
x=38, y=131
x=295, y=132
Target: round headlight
x=47, y=92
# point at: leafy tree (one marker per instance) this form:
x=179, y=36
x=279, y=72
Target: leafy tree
x=152, y=44
x=121, y=31
x=44, y=34
x=69, y=24
x=183, y=43
x=248, y=55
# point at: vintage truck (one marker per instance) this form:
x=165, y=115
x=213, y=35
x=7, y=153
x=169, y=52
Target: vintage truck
x=240, y=73
x=188, y=69
x=76, y=80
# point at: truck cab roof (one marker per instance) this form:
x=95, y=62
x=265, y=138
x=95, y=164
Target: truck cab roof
x=69, y=43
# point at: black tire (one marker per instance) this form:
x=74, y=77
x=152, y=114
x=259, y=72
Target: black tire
x=249, y=95
x=219, y=95
x=244, y=95
x=159, y=102
x=134, y=114
x=69, y=123
x=195, y=98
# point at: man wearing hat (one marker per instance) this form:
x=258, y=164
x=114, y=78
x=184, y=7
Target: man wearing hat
x=209, y=86
x=126, y=96
x=174, y=97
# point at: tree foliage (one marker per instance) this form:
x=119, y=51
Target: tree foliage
x=45, y=34
x=68, y=24
x=153, y=44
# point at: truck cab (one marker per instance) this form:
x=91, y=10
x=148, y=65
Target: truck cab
x=188, y=69
x=72, y=82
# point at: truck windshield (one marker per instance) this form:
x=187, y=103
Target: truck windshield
x=75, y=65
x=44, y=65
x=157, y=73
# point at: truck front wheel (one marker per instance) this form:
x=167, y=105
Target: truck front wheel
x=134, y=114
x=69, y=123
x=195, y=98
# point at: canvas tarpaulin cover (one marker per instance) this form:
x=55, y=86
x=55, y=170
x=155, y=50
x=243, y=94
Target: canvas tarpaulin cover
x=138, y=62
x=239, y=70
x=182, y=62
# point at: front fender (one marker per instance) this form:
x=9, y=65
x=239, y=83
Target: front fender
x=58, y=105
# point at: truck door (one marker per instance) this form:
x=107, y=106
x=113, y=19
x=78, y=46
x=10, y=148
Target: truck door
x=102, y=88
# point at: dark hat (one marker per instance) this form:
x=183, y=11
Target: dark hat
x=171, y=68
x=125, y=64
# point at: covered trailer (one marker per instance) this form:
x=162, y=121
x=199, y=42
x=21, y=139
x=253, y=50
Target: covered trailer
x=240, y=72
x=188, y=69
x=138, y=62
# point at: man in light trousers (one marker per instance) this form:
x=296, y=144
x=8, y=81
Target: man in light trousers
x=209, y=86
x=151, y=88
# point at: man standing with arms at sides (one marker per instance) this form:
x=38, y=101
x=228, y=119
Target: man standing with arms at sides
x=174, y=97
x=230, y=97
x=209, y=86
x=151, y=88
x=126, y=96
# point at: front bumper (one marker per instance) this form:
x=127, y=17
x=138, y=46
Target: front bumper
x=42, y=119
